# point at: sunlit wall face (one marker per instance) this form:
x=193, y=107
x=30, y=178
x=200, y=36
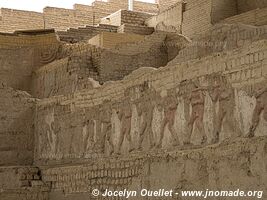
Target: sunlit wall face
x=38, y=5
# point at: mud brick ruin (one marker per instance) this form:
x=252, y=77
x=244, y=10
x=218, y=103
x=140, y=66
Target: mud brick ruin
x=170, y=95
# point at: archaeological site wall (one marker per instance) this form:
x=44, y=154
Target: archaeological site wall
x=255, y=17
x=223, y=9
x=126, y=17
x=237, y=77
x=166, y=4
x=141, y=30
x=182, y=106
x=154, y=51
x=21, y=54
x=192, y=17
x=222, y=37
x=196, y=17
x=70, y=74
x=83, y=34
x=170, y=19
x=22, y=182
x=144, y=7
x=238, y=9
x=247, y=5
x=224, y=90
x=203, y=14
x=198, y=14
x=212, y=167
x=62, y=19
x=113, y=19
x=11, y=20
x=54, y=78
x=16, y=127
x=110, y=40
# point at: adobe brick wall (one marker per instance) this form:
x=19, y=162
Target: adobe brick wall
x=171, y=17
x=209, y=12
x=151, y=8
x=255, y=17
x=223, y=9
x=247, y=5
x=75, y=128
x=200, y=15
x=22, y=182
x=83, y=156
x=134, y=18
x=126, y=17
x=222, y=37
x=166, y=4
x=110, y=40
x=66, y=75
x=21, y=54
x=236, y=9
x=53, y=78
x=196, y=17
x=141, y=30
x=16, y=127
x=62, y=19
x=113, y=19
x=243, y=66
x=165, y=169
x=83, y=34
x=11, y=20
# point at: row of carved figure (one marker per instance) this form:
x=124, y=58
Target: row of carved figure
x=146, y=99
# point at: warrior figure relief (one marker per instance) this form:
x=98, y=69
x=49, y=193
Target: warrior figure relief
x=169, y=104
x=224, y=94
x=88, y=132
x=197, y=101
x=261, y=106
x=44, y=140
x=125, y=116
x=51, y=136
x=145, y=110
x=105, y=113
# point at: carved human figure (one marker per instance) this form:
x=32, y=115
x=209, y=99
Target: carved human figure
x=169, y=104
x=88, y=131
x=145, y=110
x=56, y=130
x=261, y=107
x=51, y=136
x=197, y=101
x=45, y=138
x=105, y=114
x=184, y=87
x=125, y=116
x=224, y=94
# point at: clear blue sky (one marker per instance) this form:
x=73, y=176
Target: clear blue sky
x=38, y=5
